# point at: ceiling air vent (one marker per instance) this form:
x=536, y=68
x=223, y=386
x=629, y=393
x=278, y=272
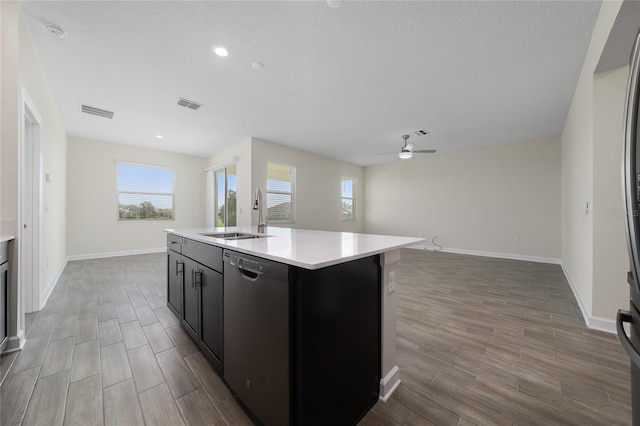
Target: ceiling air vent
x=421, y=132
x=97, y=111
x=188, y=104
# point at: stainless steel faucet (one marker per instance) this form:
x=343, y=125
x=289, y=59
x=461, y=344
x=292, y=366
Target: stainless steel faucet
x=257, y=205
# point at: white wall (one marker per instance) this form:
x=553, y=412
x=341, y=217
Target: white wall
x=9, y=107
x=21, y=69
x=318, y=180
x=476, y=201
x=93, y=227
x=318, y=186
x=581, y=242
x=610, y=259
x=33, y=80
x=242, y=151
x=9, y=145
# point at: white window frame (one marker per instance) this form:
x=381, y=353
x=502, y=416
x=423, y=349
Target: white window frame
x=292, y=219
x=352, y=198
x=172, y=193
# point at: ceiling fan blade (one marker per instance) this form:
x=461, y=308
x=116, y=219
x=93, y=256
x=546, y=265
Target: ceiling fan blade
x=424, y=151
x=387, y=153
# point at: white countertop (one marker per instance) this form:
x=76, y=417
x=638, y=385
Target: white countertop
x=302, y=247
x=5, y=238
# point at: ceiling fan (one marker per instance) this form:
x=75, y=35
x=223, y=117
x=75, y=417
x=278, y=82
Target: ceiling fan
x=407, y=150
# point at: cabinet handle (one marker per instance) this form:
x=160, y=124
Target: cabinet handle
x=196, y=278
x=179, y=271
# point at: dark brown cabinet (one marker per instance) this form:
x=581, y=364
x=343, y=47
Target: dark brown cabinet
x=175, y=277
x=303, y=347
x=190, y=299
x=4, y=288
x=211, y=315
x=195, y=294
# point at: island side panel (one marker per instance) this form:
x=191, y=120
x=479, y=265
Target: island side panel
x=390, y=372
x=336, y=342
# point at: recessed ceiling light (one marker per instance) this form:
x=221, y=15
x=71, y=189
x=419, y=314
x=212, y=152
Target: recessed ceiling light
x=221, y=51
x=56, y=32
x=258, y=65
x=158, y=136
x=334, y=3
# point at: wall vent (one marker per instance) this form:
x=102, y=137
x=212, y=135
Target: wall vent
x=96, y=111
x=188, y=104
x=421, y=132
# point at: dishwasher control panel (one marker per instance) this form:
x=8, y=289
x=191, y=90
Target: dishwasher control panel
x=246, y=263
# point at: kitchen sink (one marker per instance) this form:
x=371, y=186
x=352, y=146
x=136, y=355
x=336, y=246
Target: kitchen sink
x=235, y=235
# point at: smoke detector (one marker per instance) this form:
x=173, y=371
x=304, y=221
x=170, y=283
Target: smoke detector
x=56, y=32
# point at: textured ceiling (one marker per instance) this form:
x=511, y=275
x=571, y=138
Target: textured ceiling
x=342, y=82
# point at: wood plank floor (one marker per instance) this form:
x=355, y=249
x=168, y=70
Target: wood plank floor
x=106, y=350
x=499, y=342
x=480, y=341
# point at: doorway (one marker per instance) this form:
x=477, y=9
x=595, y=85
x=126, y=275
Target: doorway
x=30, y=205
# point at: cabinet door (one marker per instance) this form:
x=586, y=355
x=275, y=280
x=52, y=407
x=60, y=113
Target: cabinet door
x=4, y=283
x=175, y=278
x=190, y=298
x=211, y=315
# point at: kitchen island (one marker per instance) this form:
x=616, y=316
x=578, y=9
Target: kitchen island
x=299, y=323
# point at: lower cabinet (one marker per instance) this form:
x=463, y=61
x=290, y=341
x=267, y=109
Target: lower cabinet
x=202, y=308
x=175, y=272
x=4, y=293
x=303, y=346
x=190, y=299
x=211, y=315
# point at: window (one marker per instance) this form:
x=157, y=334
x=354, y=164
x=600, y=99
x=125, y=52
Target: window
x=348, y=199
x=144, y=193
x=281, y=193
x=226, y=196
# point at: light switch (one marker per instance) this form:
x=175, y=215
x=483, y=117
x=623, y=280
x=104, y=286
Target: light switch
x=392, y=281
x=47, y=177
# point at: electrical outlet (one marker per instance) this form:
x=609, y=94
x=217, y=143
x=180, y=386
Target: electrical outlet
x=516, y=241
x=392, y=281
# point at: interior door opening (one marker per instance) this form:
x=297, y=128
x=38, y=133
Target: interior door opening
x=30, y=207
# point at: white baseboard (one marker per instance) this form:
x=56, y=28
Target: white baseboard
x=15, y=343
x=602, y=324
x=583, y=308
x=596, y=323
x=114, y=254
x=493, y=254
x=53, y=285
x=389, y=383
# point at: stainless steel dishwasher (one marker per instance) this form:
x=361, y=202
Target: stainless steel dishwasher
x=256, y=335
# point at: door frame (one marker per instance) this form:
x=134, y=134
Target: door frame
x=29, y=207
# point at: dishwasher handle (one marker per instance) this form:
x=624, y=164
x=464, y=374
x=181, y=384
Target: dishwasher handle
x=249, y=275
x=250, y=270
